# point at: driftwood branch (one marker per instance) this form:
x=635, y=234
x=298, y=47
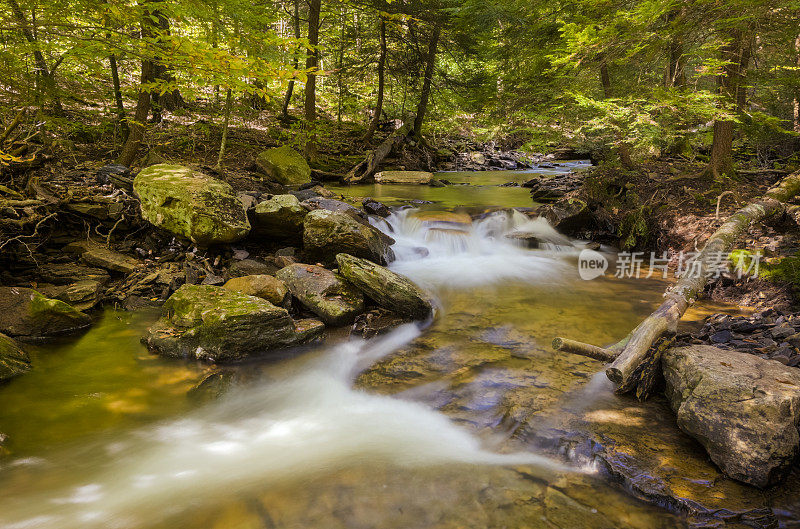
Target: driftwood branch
x=633, y=368
x=584, y=349
x=370, y=165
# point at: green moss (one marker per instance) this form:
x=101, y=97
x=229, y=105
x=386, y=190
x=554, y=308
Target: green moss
x=778, y=269
x=284, y=165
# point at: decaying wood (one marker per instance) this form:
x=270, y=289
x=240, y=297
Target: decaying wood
x=584, y=349
x=14, y=124
x=633, y=368
x=369, y=166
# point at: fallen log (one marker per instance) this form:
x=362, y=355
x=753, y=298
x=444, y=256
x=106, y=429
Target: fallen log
x=632, y=369
x=366, y=169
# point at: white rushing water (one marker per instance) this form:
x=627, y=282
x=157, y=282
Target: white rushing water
x=312, y=421
x=463, y=255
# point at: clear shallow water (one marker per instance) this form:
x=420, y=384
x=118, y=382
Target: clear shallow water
x=472, y=189
x=417, y=429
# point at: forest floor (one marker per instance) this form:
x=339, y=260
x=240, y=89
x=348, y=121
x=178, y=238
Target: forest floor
x=662, y=206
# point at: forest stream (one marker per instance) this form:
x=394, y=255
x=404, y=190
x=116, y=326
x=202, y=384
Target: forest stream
x=469, y=421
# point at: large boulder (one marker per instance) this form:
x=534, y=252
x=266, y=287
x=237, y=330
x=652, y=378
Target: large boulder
x=220, y=325
x=323, y=292
x=327, y=233
x=261, y=286
x=191, y=204
x=280, y=217
x=742, y=408
x=13, y=360
x=26, y=313
x=403, y=177
x=284, y=165
x=386, y=288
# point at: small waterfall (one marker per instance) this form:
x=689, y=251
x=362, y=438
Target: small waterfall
x=447, y=250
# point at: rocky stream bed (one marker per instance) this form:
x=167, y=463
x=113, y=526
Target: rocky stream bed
x=409, y=380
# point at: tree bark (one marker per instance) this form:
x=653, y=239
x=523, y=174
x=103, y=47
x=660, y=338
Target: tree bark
x=427, y=82
x=797, y=90
x=376, y=118
x=367, y=168
x=296, y=63
x=224, y=142
x=736, y=53
x=137, y=127
x=312, y=64
x=47, y=75
x=632, y=369
x=112, y=60
x=623, y=150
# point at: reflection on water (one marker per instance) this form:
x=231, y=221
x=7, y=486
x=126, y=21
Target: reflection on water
x=471, y=189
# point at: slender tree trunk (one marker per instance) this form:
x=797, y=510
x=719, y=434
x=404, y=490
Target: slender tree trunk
x=797, y=90
x=676, y=74
x=296, y=63
x=623, y=150
x=137, y=127
x=112, y=60
x=223, y=144
x=605, y=80
x=373, y=126
x=426, y=83
x=736, y=53
x=312, y=63
x=339, y=74
x=46, y=74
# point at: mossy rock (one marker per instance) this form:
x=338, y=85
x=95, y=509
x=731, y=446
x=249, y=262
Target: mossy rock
x=26, y=313
x=327, y=233
x=323, y=292
x=280, y=217
x=284, y=165
x=386, y=288
x=220, y=325
x=191, y=204
x=261, y=286
x=13, y=360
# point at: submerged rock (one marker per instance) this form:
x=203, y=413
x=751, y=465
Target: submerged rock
x=284, y=165
x=191, y=204
x=261, y=286
x=403, y=177
x=280, y=217
x=743, y=409
x=374, y=207
x=13, y=360
x=220, y=325
x=386, y=288
x=323, y=292
x=26, y=313
x=327, y=233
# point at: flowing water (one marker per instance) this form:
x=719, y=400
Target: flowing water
x=422, y=427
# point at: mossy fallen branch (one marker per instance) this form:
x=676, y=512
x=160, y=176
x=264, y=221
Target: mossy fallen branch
x=632, y=368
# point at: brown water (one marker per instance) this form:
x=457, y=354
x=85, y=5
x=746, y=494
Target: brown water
x=424, y=428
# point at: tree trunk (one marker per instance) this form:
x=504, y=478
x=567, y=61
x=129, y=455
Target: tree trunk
x=797, y=90
x=112, y=60
x=373, y=126
x=736, y=53
x=312, y=63
x=224, y=142
x=676, y=72
x=364, y=171
x=623, y=150
x=46, y=74
x=171, y=99
x=426, y=83
x=296, y=63
x=137, y=127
